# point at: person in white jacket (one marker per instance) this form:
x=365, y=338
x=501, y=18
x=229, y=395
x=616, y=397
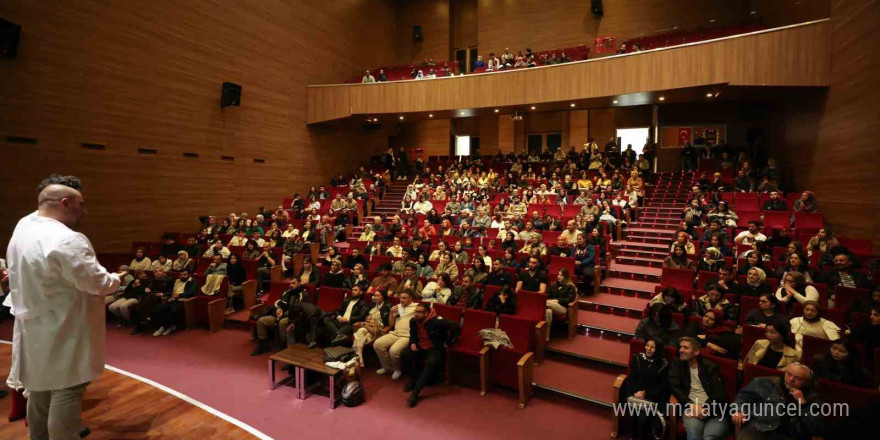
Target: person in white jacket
x=811, y=323
x=57, y=290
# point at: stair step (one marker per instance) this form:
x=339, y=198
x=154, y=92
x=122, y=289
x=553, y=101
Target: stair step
x=648, y=239
x=609, y=349
x=607, y=322
x=641, y=270
x=633, y=228
x=612, y=300
x=644, y=253
x=622, y=285
x=643, y=245
x=588, y=383
x=640, y=261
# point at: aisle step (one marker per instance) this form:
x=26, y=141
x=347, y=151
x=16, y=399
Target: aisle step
x=590, y=383
x=625, y=286
x=609, y=349
x=612, y=300
x=639, y=261
x=601, y=322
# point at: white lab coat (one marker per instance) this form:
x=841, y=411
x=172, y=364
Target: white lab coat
x=57, y=290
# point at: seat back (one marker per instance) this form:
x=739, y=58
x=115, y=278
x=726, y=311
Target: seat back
x=777, y=219
x=729, y=373
x=862, y=404
x=488, y=293
x=449, y=313
x=557, y=262
x=520, y=332
x=681, y=279
x=330, y=298
x=531, y=305
x=751, y=371
x=845, y=297
x=809, y=220
x=813, y=347
x=474, y=321
x=750, y=334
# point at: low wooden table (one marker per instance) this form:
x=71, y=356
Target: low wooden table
x=302, y=358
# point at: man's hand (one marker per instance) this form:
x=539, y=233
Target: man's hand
x=121, y=273
x=413, y=347
x=738, y=419
x=147, y=290
x=279, y=313
x=640, y=394
x=798, y=395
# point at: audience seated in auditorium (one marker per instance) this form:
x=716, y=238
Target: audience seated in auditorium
x=340, y=325
x=658, y=325
x=714, y=334
x=765, y=314
x=423, y=359
x=840, y=363
x=671, y=297
x=813, y=324
x=141, y=261
x=389, y=346
x=503, y=302
x=755, y=284
x=168, y=313
x=275, y=320
x=439, y=290
x=647, y=380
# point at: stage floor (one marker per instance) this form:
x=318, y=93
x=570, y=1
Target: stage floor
x=118, y=407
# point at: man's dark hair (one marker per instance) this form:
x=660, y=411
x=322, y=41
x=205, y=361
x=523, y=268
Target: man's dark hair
x=58, y=179
x=754, y=222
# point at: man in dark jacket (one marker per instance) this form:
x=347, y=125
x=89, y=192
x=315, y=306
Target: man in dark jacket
x=843, y=275
x=169, y=312
x=792, y=390
x=340, y=325
x=697, y=385
x=276, y=319
x=425, y=356
x=303, y=317
x=775, y=203
x=498, y=276
x=467, y=294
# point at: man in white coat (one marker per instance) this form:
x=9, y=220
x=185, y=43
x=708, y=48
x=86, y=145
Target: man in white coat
x=57, y=293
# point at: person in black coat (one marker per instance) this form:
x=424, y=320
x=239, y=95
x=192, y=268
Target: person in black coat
x=648, y=379
x=335, y=277
x=703, y=414
x=340, y=325
x=658, y=325
x=467, y=294
x=503, y=302
x=304, y=317
x=840, y=363
x=425, y=356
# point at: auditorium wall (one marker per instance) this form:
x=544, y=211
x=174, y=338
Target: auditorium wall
x=830, y=144
x=433, y=17
x=143, y=79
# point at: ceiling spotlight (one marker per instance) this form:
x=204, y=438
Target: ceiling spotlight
x=662, y=98
x=615, y=101
x=431, y=115
x=401, y=118
x=753, y=12
x=533, y=107
x=375, y=119
x=712, y=21
x=709, y=95
x=572, y=104
x=462, y=113
x=496, y=110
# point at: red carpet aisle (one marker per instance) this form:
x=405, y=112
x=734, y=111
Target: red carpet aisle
x=217, y=371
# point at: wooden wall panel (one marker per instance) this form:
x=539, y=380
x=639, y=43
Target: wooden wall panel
x=431, y=135
x=506, y=136
x=433, y=17
x=830, y=144
x=489, y=134
x=464, y=24
x=601, y=125
x=795, y=56
x=147, y=75
x=548, y=24
x=577, y=135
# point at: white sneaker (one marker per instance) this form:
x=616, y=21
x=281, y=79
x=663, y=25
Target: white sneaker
x=381, y=371
x=396, y=375
x=170, y=330
x=159, y=332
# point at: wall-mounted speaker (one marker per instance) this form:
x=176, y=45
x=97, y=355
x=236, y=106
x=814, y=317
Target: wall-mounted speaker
x=417, y=33
x=596, y=7
x=230, y=95
x=9, y=36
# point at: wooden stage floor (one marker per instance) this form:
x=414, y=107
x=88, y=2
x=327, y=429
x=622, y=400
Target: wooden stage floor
x=119, y=407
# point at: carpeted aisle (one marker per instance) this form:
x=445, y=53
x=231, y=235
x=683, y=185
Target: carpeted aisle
x=218, y=371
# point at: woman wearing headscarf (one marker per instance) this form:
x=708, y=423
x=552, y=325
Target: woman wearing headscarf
x=237, y=275
x=140, y=261
x=647, y=381
x=807, y=203
x=182, y=262
x=813, y=324
x=755, y=283
x=775, y=351
x=711, y=260
x=715, y=334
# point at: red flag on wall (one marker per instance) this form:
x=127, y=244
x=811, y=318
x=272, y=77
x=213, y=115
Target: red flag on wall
x=684, y=135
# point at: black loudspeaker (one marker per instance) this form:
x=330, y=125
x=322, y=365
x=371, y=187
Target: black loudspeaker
x=230, y=95
x=9, y=36
x=596, y=7
x=417, y=33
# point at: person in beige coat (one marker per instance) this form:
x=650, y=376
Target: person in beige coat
x=773, y=352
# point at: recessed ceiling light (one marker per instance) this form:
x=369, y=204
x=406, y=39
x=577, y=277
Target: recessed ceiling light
x=572, y=104
x=754, y=12
x=401, y=118
x=662, y=98
x=615, y=101
x=431, y=115
x=375, y=119
x=712, y=21
x=496, y=110
x=709, y=95
x=533, y=107
x=674, y=27
x=462, y=113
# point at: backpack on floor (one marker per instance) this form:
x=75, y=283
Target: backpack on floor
x=353, y=394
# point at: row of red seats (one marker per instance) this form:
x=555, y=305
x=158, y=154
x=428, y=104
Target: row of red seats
x=676, y=38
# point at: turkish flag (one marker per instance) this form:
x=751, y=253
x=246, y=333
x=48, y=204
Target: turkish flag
x=684, y=135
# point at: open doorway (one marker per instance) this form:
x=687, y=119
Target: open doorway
x=633, y=136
